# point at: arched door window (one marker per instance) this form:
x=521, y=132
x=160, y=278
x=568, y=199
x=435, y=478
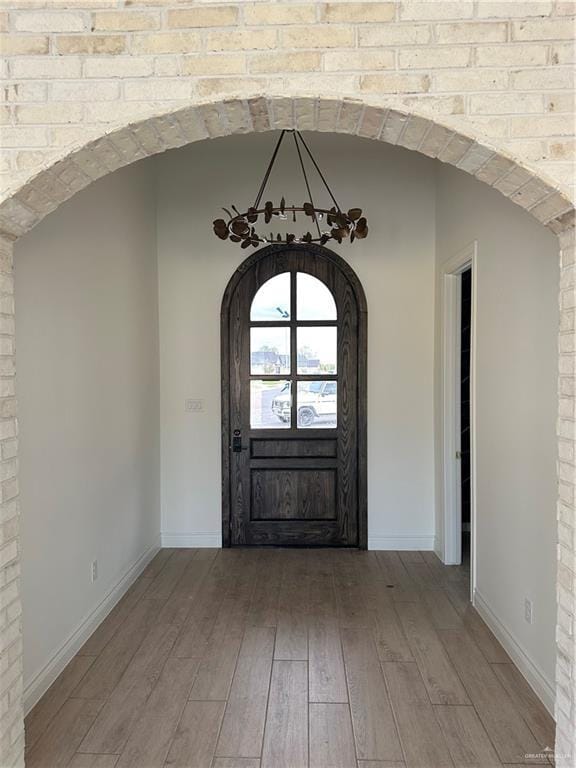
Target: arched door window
x=301, y=346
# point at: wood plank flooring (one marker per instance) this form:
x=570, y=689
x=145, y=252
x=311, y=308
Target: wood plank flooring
x=279, y=658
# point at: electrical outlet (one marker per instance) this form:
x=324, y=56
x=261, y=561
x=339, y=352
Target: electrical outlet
x=94, y=571
x=528, y=611
x=193, y=405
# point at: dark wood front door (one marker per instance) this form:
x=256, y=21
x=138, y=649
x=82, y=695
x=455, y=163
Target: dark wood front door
x=294, y=401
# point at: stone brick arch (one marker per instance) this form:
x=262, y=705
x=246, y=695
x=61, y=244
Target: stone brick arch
x=367, y=118
x=79, y=166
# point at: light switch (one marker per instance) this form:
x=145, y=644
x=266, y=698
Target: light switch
x=193, y=406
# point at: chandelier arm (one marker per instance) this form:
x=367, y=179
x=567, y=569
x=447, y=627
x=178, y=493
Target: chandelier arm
x=296, y=134
x=268, y=171
x=318, y=170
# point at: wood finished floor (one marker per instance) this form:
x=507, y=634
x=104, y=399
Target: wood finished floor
x=290, y=659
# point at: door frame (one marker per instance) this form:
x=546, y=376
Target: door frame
x=362, y=404
x=451, y=347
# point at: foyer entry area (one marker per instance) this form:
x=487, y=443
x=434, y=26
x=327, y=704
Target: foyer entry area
x=118, y=297
x=273, y=658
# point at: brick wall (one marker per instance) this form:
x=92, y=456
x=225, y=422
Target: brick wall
x=73, y=68
x=91, y=85
x=11, y=722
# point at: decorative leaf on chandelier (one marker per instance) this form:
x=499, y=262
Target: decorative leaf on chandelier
x=238, y=226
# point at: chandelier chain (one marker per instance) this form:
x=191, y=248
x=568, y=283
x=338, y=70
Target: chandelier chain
x=315, y=215
x=310, y=155
x=268, y=171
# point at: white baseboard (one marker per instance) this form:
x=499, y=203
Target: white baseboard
x=212, y=539
x=438, y=548
x=42, y=680
x=544, y=688
x=401, y=542
x=191, y=539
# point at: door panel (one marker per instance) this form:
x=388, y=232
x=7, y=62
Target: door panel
x=293, y=494
x=294, y=372
x=294, y=448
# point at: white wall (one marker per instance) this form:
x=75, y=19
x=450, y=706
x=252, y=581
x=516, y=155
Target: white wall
x=396, y=266
x=517, y=324
x=87, y=355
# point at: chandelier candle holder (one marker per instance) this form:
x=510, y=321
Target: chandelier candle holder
x=329, y=223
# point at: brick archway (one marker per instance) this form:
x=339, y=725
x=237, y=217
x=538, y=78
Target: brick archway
x=25, y=206
x=527, y=187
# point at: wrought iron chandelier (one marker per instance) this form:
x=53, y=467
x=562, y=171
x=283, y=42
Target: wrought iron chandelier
x=239, y=227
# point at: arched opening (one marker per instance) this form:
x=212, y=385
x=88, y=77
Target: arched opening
x=29, y=205
x=369, y=118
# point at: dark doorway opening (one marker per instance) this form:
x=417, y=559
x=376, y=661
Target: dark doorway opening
x=465, y=356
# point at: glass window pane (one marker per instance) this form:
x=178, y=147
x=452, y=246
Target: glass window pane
x=317, y=402
x=314, y=301
x=270, y=403
x=270, y=350
x=272, y=300
x=317, y=349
